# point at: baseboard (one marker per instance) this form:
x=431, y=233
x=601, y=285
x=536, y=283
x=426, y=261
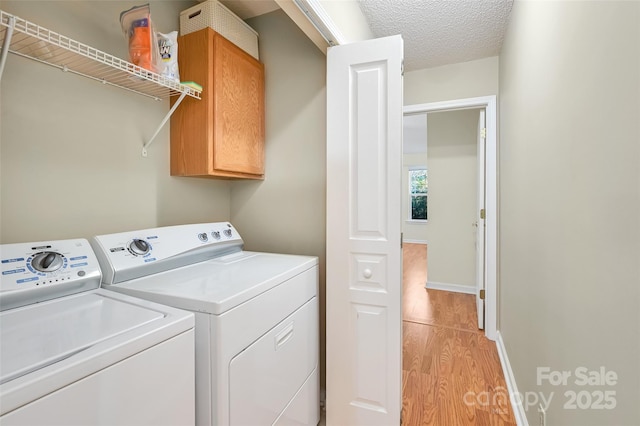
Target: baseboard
x=406, y=240
x=456, y=288
x=514, y=395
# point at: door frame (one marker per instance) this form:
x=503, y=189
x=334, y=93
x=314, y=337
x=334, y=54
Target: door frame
x=491, y=195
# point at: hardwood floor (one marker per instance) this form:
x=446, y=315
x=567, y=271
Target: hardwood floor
x=451, y=373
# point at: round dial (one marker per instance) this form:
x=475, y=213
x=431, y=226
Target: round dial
x=47, y=261
x=139, y=247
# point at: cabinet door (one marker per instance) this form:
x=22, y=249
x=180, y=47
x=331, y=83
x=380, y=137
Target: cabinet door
x=238, y=110
x=221, y=135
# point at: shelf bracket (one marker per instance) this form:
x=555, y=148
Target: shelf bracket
x=164, y=121
x=6, y=44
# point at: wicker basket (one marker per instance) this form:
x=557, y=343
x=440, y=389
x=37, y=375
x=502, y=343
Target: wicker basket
x=212, y=13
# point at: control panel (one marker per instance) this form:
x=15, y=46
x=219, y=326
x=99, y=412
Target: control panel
x=133, y=254
x=47, y=267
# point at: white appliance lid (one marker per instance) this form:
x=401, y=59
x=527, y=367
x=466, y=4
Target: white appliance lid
x=39, y=335
x=217, y=285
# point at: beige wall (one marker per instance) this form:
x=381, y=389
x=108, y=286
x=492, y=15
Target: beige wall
x=286, y=212
x=452, y=167
x=570, y=201
x=449, y=82
x=70, y=147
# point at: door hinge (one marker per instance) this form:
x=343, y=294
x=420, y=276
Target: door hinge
x=482, y=214
x=483, y=133
x=482, y=294
x=401, y=239
x=402, y=68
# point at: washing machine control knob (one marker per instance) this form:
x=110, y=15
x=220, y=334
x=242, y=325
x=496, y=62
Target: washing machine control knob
x=47, y=261
x=139, y=247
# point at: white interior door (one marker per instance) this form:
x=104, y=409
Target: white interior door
x=364, y=264
x=480, y=224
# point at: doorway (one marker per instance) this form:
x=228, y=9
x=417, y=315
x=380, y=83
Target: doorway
x=487, y=217
x=443, y=193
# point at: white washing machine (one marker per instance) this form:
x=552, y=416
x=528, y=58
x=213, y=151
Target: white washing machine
x=256, y=317
x=74, y=354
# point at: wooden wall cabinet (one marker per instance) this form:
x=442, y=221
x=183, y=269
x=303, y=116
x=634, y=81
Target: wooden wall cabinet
x=221, y=135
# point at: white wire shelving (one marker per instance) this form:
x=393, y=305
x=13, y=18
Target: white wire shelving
x=29, y=40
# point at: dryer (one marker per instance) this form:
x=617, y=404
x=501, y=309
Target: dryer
x=256, y=317
x=74, y=354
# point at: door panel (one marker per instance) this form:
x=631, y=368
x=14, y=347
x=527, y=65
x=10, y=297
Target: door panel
x=364, y=275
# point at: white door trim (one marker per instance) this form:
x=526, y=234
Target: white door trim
x=491, y=206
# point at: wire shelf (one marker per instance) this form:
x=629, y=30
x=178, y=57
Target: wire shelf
x=32, y=41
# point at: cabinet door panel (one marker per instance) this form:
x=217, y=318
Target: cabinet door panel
x=238, y=110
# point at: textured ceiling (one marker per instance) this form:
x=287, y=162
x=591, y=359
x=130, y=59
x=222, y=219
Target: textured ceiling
x=440, y=32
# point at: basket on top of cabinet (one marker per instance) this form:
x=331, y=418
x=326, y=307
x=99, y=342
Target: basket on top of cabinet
x=212, y=13
x=221, y=135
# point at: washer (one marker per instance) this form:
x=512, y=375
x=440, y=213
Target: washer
x=256, y=317
x=74, y=354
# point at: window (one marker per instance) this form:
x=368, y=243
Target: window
x=418, y=189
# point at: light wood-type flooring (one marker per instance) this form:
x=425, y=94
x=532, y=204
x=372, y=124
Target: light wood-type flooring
x=451, y=373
